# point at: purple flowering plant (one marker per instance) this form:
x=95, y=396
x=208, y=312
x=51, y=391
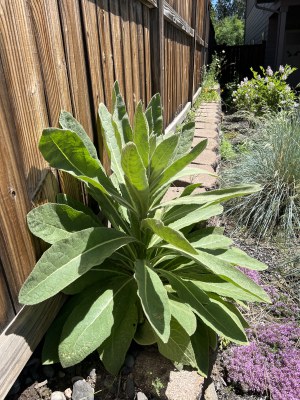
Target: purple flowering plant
x=266, y=92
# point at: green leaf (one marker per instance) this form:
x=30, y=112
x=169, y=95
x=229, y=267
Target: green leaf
x=121, y=119
x=162, y=155
x=114, y=349
x=168, y=234
x=136, y=177
x=134, y=168
x=180, y=164
x=141, y=134
x=53, y=222
x=68, y=122
x=213, y=196
x=62, y=198
x=92, y=320
x=200, y=344
x=215, y=284
x=156, y=108
x=214, y=315
x=226, y=271
x=154, y=299
x=183, y=314
x=53, y=334
x=68, y=259
x=148, y=114
x=144, y=334
x=212, y=242
x=197, y=215
x=111, y=141
x=65, y=150
x=185, y=140
x=188, y=190
x=179, y=347
x=238, y=257
x=96, y=274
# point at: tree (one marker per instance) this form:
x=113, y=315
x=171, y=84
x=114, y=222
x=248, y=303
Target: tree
x=230, y=31
x=229, y=8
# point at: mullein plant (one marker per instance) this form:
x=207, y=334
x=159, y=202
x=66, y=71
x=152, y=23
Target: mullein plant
x=155, y=275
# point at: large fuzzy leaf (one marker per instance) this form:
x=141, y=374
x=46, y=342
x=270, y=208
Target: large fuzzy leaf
x=211, y=242
x=179, y=164
x=162, y=155
x=197, y=215
x=120, y=116
x=200, y=344
x=62, y=198
x=185, y=140
x=226, y=271
x=213, y=196
x=65, y=150
x=179, y=347
x=236, y=256
x=53, y=222
x=168, y=234
x=183, y=314
x=68, y=259
x=157, y=118
x=154, y=299
x=141, y=134
x=214, y=315
x=137, y=181
x=113, y=350
x=111, y=141
x=92, y=320
x=68, y=122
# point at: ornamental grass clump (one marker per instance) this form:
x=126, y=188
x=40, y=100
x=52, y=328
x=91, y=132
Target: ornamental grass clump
x=266, y=92
x=270, y=364
x=273, y=162
x=154, y=276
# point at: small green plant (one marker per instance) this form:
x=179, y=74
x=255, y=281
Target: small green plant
x=226, y=150
x=158, y=386
x=155, y=276
x=272, y=162
x=266, y=92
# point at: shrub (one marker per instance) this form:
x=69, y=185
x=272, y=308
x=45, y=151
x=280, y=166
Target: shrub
x=266, y=92
x=270, y=364
x=154, y=276
x=272, y=162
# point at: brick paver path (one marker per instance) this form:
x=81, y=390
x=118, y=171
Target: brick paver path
x=207, y=124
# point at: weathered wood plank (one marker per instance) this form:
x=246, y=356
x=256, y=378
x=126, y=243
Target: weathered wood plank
x=174, y=18
x=45, y=21
x=192, y=51
x=149, y=3
x=21, y=337
x=76, y=62
x=199, y=40
x=141, y=49
x=146, y=20
x=6, y=307
x=134, y=54
x=157, y=49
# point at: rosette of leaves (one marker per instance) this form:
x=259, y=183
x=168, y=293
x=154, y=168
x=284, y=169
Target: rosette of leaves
x=156, y=275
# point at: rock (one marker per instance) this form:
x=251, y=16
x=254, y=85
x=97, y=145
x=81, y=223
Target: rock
x=82, y=390
x=57, y=396
x=210, y=393
x=40, y=384
x=77, y=378
x=48, y=371
x=93, y=374
x=68, y=393
x=130, y=388
x=141, y=396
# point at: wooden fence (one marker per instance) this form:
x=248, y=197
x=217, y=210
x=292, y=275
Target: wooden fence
x=66, y=54
x=239, y=59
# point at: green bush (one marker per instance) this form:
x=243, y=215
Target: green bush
x=266, y=92
x=272, y=162
x=155, y=276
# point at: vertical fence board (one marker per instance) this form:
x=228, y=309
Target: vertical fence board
x=76, y=64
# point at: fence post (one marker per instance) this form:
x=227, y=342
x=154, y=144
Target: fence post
x=157, y=49
x=194, y=23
